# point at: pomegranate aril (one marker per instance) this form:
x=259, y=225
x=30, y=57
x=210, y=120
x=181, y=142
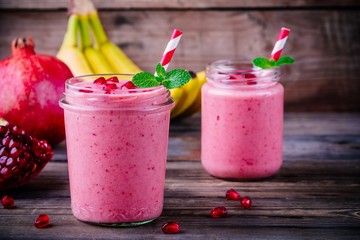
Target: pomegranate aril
x=110, y=86
x=251, y=82
x=112, y=80
x=231, y=77
x=20, y=162
x=6, y=141
x=170, y=228
x=42, y=221
x=246, y=202
x=128, y=85
x=14, y=152
x=219, y=212
x=250, y=76
x=100, y=81
x=86, y=90
x=7, y=202
x=231, y=194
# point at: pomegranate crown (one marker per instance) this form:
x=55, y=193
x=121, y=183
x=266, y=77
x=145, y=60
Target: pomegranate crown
x=23, y=46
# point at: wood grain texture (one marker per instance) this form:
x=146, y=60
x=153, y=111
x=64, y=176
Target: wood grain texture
x=325, y=44
x=314, y=196
x=177, y=4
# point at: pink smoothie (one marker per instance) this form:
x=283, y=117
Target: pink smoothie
x=242, y=125
x=116, y=149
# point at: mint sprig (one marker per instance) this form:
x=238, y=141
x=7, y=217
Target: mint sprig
x=266, y=63
x=172, y=79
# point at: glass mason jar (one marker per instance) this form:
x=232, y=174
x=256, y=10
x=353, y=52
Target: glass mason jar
x=242, y=120
x=116, y=148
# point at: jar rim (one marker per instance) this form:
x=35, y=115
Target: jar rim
x=240, y=72
x=81, y=94
x=70, y=84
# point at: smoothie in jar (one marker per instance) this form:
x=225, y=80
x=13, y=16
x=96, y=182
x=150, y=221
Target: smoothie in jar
x=242, y=121
x=117, y=141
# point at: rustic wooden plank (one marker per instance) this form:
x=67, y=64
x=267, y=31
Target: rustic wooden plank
x=176, y=4
x=295, y=124
x=306, y=137
x=307, y=203
x=325, y=44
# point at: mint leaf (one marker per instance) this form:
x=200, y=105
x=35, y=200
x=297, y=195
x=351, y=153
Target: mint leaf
x=172, y=79
x=159, y=79
x=263, y=63
x=176, y=78
x=285, y=60
x=160, y=71
x=145, y=80
x=272, y=63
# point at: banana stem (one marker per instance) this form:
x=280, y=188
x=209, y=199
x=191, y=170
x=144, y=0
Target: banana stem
x=70, y=38
x=84, y=31
x=97, y=28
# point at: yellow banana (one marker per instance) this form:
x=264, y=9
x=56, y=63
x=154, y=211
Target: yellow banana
x=94, y=57
x=118, y=60
x=196, y=105
x=177, y=94
x=190, y=91
x=69, y=53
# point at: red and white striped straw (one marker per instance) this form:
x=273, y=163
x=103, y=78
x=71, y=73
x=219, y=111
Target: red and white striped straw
x=280, y=43
x=170, y=48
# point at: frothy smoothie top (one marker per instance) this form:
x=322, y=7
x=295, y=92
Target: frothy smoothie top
x=113, y=93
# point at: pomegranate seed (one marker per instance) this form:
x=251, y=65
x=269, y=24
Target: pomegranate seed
x=7, y=202
x=231, y=77
x=250, y=82
x=246, y=202
x=251, y=76
x=100, y=81
x=42, y=221
x=110, y=86
x=219, y=212
x=85, y=90
x=128, y=85
x=112, y=80
x=170, y=228
x=231, y=194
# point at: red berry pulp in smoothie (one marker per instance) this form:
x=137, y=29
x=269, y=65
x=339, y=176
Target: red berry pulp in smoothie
x=242, y=126
x=116, y=153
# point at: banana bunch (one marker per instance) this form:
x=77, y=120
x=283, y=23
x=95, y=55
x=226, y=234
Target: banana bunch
x=188, y=97
x=86, y=49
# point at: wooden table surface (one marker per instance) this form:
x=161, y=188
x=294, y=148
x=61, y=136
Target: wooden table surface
x=316, y=194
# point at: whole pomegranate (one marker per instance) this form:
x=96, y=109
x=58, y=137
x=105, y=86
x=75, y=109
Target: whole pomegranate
x=31, y=86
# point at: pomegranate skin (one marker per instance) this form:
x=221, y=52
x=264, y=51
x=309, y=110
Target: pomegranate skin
x=31, y=86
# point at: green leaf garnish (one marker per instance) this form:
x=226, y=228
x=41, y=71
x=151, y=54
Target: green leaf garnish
x=172, y=79
x=160, y=71
x=266, y=63
x=285, y=60
x=145, y=80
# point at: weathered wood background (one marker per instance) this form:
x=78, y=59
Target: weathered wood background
x=314, y=196
x=325, y=38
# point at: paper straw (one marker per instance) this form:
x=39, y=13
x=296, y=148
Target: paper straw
x=280, y=43
x=170, y=48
